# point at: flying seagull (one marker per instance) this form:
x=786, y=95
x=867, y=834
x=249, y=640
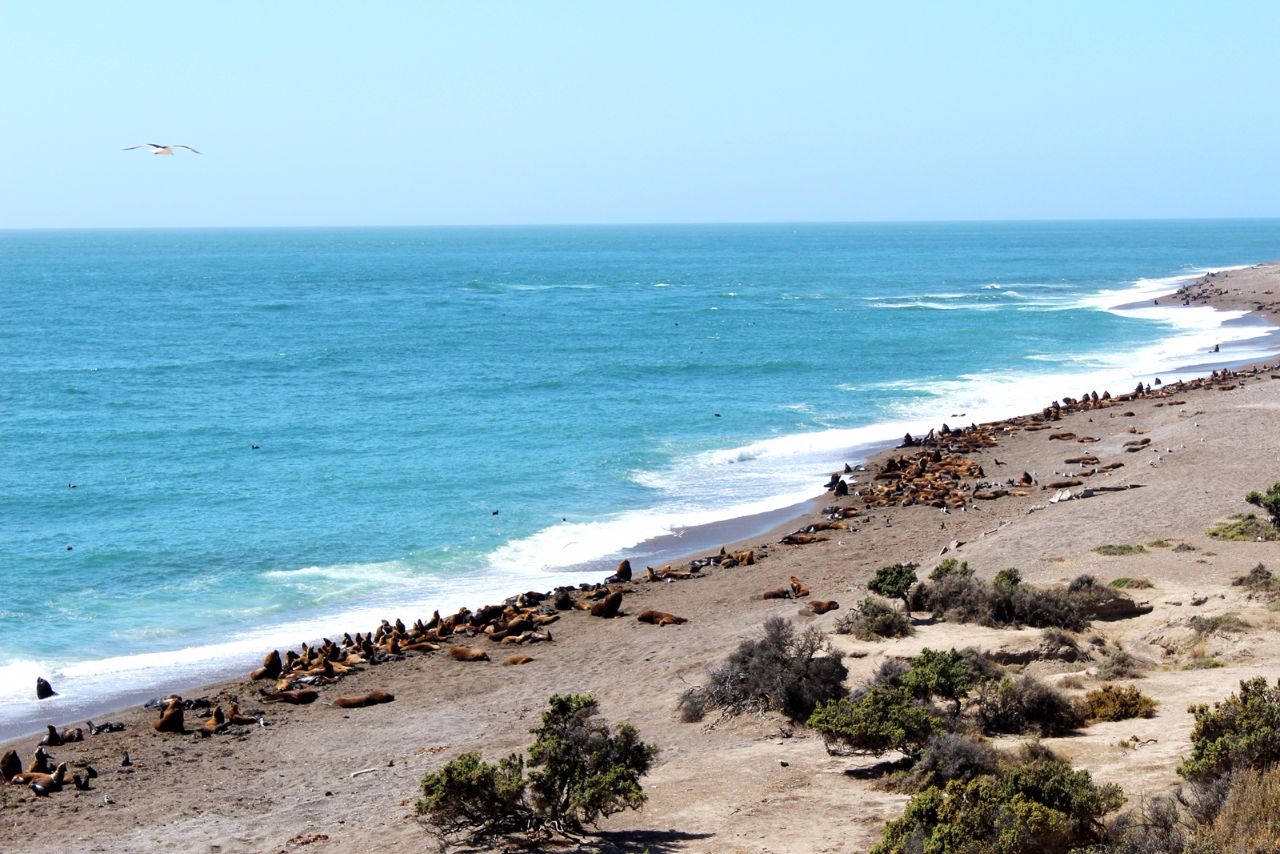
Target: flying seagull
x=160, y=149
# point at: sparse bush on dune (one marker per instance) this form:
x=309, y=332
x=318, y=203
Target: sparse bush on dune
x=873, y=619
x=1120, y=664
x=1248, y=529
x=1117, y=703
x=953, y=593
x=1268, y=501
x=785, y=670
x=894, y=582
x=1124, y=582
x=1025, y=704
x=949, y=756
x=1242, y=731
x=887, y=717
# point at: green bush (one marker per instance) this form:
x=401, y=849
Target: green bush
x=1268, y=501
x=894, y=582
x=1119, y=550
x=1120, y=664
x=782, y=671
x=884, y=718
x=948, y=756
x=1124, y=582
x=582, y=771
x=1026, y=704
x=1242, y=731
x=1007, y=579
x=965, y=599
x=1249, y=529
x=946, y=675
x=1116, y=703
x=873, y=619
x=1041, y=805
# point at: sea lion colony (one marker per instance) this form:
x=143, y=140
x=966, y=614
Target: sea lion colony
x=939, y=474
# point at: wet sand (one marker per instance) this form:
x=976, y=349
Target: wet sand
x=753, y=783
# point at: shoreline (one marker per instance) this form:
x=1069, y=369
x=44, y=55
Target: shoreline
x=256, y=789
x=1229, y=286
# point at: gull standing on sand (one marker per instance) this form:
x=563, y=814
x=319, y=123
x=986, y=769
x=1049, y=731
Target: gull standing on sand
x=160, y=149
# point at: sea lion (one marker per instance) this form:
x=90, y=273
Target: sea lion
x=11, y=765
x=373, y=698
x=40, y=762
x=746, y=558
x=822, y=606
x=52, y=739
x=293, y=698
x=99, y=729
x=468, y=653
x=171, y=718
x=43, y=784
x=661, y=618
x=513, y=660
x=43, y=689
x=798, y=590
x=621, y=574
x=217, y=723
x=780, y=593
x=609, y=606
x=235, y=717
x=270, y=668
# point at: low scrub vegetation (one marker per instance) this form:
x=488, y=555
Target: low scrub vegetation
x=1026, y=705
x=1249, y=529
x=887, y=717
x=1124, y=582
x=873, y=619
x=785, y=671
x=1268, y=501
x=954, y=593
x=1206, y=625
x=1120, y=549
x=1120, y=664
x=1117, y=703
x=1258, y=581
x=582, y=771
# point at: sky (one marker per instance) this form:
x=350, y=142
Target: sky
x=526, y=112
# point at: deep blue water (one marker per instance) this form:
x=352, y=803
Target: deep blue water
x=595, y=386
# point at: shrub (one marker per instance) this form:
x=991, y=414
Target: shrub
x=873, y=619
x=1268, y=501
x=1124, y=582
x=1119, y=550
x=884, y=718
x=946, y=675
x=1083, y=584
x=1007, y=579
x=1034, y=806
x=1249, y=817
x=1120, y=664
x=1257, y=580
x=1116, y=703
x=965, y=599
x=894, y=582
x=1247, y=529
x=1026, y=704
x=1212, y=625
x=782, y=671
x=947, y=756
x=583, y=771
x=1242, y=731
x=950, y=567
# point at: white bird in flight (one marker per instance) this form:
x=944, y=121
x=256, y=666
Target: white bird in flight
x=160, y=149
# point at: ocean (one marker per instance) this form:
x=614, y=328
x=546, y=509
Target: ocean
x=215, y=442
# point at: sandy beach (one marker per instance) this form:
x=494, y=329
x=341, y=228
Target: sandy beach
x=756, y=782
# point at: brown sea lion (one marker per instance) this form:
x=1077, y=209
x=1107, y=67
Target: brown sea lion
x=46, y=783
x=216, y=723
x=271, y=667
x=11, y=765
x=798, y=590
x=468, y=653
x=746, y=558
x=780, y=593
x=661, y=618
x=609, y=606
x=40, y=762
x=513, y=660
x=623, y=572
x=235, y=717
x=373, y=698
x=293, y=698
x=822, y=606
x=171, y=718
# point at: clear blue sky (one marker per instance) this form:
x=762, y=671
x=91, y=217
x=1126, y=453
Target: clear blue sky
x=390, y=113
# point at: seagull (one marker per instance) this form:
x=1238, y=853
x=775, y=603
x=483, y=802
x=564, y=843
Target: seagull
x=160, y=149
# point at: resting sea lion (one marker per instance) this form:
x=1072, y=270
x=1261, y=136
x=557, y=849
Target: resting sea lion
x=40, y=762
x=822, y=606
x=609, y=606
x=72, y=734
x=373, y=698
x=468, y=653
x=798, y=590
x=217, y=723
x=661, y=618
x=746, y=558
x=43, y=689
x=10, y=765
x=293, y=698
x=622, y=573
x=780, y=593
x=52, y=739
x=270, y=668
x=46, y=782
x=518, y=659
x=171, y=718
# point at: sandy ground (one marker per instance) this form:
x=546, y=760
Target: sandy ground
x=753, y=783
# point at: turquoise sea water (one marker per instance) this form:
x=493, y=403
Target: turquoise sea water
x=278, y=434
